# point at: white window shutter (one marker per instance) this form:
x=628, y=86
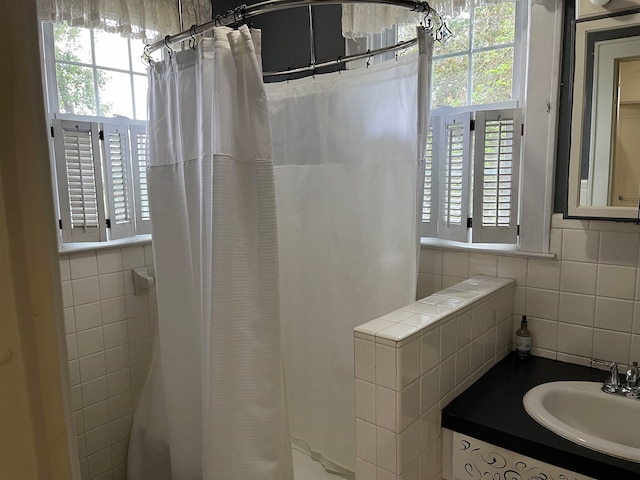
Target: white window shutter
x=117, y=163
x=79, y=175
x=455, y=160
x=430, y=188
x=496, y=176
x=140, y=161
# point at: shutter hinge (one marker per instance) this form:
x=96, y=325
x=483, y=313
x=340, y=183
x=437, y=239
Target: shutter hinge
x=60, y=223
x=522, y=129
x=517, y=229
x=52, y=135
x=101, y=134
x=108, y=222
x=469, y=222
x=472, y=125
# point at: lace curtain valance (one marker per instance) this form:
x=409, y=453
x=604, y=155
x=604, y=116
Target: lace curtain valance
x=145, y=19
x=360, y=20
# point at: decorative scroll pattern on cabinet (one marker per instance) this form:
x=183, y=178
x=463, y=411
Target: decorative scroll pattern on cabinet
x=477, y=460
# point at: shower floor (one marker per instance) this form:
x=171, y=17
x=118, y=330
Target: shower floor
x=304, y=468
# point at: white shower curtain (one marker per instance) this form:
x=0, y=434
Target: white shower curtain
x=348, y=184
x=214, y=407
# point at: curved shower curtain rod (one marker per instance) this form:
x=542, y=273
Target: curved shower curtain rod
x=244, y=12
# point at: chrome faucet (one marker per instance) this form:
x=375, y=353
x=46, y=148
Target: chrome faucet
x=612, y=382
x=630, y=388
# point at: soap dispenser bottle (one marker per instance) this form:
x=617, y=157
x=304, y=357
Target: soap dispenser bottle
x=523, y=339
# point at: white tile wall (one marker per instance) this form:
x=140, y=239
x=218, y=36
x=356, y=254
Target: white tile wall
x=412, y=362
x=583, y=304
x=110, y=334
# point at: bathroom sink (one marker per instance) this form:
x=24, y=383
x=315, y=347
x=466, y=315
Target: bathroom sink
x=582, y=413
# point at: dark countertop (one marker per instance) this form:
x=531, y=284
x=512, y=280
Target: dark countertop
x=491, y=410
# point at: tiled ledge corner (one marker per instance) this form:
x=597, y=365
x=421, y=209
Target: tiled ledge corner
x=403, y=325
x=412, y=362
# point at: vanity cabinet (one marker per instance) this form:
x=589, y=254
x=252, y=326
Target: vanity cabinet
x=466, y=458
x=586, y=9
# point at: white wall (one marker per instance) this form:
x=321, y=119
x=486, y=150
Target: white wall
x=110, y=334
x=583, y=304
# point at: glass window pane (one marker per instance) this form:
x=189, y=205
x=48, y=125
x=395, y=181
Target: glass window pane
x=494, y=24
x=140, y=86
x=73, y=44
x=492, y=76
x=459, y=39
x=76, y=93
x=449, y=85
x=115, y=93
x=137, y=49
x=112, y=50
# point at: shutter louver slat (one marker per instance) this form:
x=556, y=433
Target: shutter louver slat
x=119, y=181
x=139, y=157
x=430, y=199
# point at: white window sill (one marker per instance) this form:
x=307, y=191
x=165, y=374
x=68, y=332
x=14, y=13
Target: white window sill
x=495, y=249
x=67, y=248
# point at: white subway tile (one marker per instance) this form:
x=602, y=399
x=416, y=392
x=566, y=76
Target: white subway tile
x=386, y=408
x=82, y=448
x=544, y=333
x=95, y=415
x=483, y=264
x=397, y=332
x=90, y=341
x=117, y=358
x=513, y=267
x=92, y=366
x=152, y=300
x=617, y=282
x=635, y=349
x=364, y=358
x=97, y=439
x=99, y=463
x=139, y=374
x=386, y=366
x=119, y=429
x=614, y=314
x=365, y=469
x=76, y=397
x=88, y=316
x=148, y=255
x=94, y=391
x=408, y=444
x=69, y=320
x=136, y=305
x=138, y=328
x=85, y=290
x=519, y=300
x=67, y=294
x=578, y=277
x=109, y=261
x=448, y=332
x=463, y=363
x=555, y=243
x=619, y=248
x=543, y=274
x=65, y=269
x=476, y=354
x=119, y=406
x=430, y=463
x=365, y=401
x=636, y=318
x=366, y=441
x=78, y=421
x=489, y=344
x=455, y=264
x=430, y=427
x=580, y=245
x=430, y=350
x=118, y=382
x=119, y=453
x=448, y=281
x=111, y=285
x=83, y=265
x=542, y=303
x=429, y=389
x=575, y=339
x=115, y=334
x=113, y=310
x=386, y=449
x=464, y=322
x=447, y=375
x=611, y=346
x=408, y=403
x=74, y=372
x=577, y=308
x=428, y=284
x=431, y=261
x=132, y=257
x=72, y=347
x=408, y=358
x=140, y=350
x=127, y=276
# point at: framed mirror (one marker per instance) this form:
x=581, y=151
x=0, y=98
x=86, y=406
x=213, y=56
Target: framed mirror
x=604, y=162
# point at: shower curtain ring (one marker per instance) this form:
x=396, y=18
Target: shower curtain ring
x=166, y=44
x=192, y=33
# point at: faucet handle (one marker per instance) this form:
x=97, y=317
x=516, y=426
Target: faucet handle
x=612, y=383
x=631, y=381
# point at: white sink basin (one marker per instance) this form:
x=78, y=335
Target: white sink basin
x=584, y=414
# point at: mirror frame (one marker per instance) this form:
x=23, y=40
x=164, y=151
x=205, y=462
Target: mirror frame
x=582, y=30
